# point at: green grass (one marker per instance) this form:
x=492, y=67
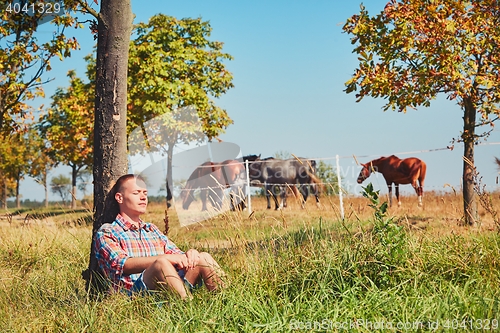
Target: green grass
x=315, y=275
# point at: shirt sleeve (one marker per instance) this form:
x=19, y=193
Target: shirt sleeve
x=170, y=247
x=110, y=255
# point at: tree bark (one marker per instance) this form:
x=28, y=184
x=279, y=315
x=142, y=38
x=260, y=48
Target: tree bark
x=110, y=136
x=46, y=187
x=74, y=175
x=18, y=194
x=5, y=194
x=468, y=136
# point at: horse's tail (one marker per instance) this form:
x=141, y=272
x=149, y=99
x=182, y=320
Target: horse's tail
x=423, y=170
x=311, y=173
x=169, y=195
x=317, y=181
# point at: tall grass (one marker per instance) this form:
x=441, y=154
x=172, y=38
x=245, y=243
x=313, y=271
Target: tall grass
x=314, y=274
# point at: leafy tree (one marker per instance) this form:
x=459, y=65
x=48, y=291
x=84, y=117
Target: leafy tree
x=24, y=60
x=283, y=154
x=84, y=176
x=16, y=155
x=68, y=128
x=416, y=49
x=175, y=72
x=328, y=177
x=61, y=185
x=41, y=161
x=13, y=157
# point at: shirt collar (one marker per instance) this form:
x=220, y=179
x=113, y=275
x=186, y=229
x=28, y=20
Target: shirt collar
x=127, y=225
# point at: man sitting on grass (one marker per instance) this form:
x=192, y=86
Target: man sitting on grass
x=137, y=256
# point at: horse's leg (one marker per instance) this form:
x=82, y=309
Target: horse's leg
x=242, y=191
x=203, y=197
x=420, y=194
x=276, y=195
x=238, y=198
x=419, y=190
x=283, y=190
x=232, y=199
x=267, y=189
x=219, y=197
x=296, y=192
x=216, y=195
x=304, y=191
x=316, y=192
x=389, y=186
x=421, y=177
x=397, y=194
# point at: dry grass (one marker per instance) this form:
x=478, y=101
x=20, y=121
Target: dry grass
x=440, y=215
x=315, y=271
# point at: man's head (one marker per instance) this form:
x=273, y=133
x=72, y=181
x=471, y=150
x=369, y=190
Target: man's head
x=131, y=194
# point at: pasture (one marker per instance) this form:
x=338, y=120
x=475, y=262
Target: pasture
x=294, y=270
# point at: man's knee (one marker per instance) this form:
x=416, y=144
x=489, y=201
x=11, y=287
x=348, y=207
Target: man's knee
x=206, y=257
x=159, y=271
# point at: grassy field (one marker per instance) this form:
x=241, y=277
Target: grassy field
x=414, y=269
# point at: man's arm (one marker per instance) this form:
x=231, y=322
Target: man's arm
x=138, y=264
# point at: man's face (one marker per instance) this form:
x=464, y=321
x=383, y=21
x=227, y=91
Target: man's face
x=133, y=197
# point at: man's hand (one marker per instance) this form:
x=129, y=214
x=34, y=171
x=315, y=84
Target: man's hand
x=193, y=258
x=186, y=261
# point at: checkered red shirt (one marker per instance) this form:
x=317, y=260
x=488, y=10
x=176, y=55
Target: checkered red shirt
x=116, y=242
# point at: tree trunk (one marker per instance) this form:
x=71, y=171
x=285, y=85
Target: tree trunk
x=470, y=204
x=46, y=187
x=110, y=136
x=5, y=191
x=18, y=194
x=74, y=175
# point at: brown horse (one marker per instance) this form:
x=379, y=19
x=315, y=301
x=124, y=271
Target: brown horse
x=397, y=171
x=212, y=178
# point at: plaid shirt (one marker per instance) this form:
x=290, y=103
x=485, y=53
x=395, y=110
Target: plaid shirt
x=116, y=242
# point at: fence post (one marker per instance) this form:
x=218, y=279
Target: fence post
x=340, y=188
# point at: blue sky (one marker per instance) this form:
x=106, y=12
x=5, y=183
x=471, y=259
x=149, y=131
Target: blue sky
x=291, y=61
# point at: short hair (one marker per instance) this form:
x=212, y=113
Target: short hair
x=120, y=181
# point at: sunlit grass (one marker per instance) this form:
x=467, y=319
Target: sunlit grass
x=285, y=270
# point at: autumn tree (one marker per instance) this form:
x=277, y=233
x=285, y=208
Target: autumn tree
x=68, y=128
x=24, y=58
x=41, y=160
x=416, y=49
x=175, y=73
x=15, y=158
